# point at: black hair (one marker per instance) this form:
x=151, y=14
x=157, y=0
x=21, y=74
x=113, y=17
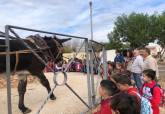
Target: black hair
x=109, y=86
x=112, y=64
x=125, y=104
x=122, y=78
x=130, y=53
x=150, y=73
x=118, y=51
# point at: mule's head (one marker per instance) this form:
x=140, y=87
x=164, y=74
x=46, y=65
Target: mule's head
x=56, y=47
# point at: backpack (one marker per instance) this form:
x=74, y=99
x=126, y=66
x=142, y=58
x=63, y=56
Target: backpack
x=162, y=102
x=145, y=105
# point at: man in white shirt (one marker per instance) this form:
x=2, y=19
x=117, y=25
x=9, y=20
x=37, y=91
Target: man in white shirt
x=149, y=61
x=137, y=68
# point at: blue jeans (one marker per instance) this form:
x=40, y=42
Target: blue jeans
x=137, y=78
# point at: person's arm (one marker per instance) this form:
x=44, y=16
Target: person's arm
x=123, y=60
x=141, y=63
x=115, y=59
x=152, y=64
x=96, y=109
x=141, y=90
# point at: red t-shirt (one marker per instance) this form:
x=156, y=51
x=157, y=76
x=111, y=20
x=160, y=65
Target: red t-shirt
x=154, y=98
x=133, y=91
x=105, y=107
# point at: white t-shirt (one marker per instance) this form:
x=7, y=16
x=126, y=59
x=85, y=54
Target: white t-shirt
x=137, y=65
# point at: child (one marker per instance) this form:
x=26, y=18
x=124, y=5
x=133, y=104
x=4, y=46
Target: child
x=123, y=103
x=111, y=67
x=106, y=90
x=155, y=96
x=119, y=67
x=124, y=84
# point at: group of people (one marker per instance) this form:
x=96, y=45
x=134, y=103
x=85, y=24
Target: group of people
x=77, y=65
x=131, y=87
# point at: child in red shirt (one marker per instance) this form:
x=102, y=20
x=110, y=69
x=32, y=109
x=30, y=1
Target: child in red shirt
x=124, y=84
x=155, y=96
x=106, y=90
x=124, y=103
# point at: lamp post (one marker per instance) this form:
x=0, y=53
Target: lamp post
x=91, y=22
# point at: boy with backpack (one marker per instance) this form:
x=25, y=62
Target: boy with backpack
x=151, y=90
x=123, y=82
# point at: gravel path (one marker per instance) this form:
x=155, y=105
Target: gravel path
x=66, y=102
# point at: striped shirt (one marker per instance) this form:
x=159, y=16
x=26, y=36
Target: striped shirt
x=137, y=65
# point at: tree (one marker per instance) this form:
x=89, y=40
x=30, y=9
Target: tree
x=114, y=41
x=161, y=32
x=132, y=29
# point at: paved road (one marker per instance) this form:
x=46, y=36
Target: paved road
x=162, y=70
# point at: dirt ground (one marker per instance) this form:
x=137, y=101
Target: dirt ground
x=66, y=102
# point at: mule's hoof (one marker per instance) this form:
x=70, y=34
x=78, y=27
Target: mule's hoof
x=27, y=111
x=52, y=97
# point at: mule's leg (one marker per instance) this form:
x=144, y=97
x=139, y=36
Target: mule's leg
x=21, y=90
x=44, y=81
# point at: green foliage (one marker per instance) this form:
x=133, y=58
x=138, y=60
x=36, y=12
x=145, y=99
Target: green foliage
x=161, y=30
x=137, y=30
x=114, y=42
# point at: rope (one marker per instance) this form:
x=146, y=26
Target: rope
x=19, y=52
x=17, y=61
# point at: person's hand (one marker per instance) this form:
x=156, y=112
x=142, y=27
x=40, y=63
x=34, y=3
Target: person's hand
x=96, y=110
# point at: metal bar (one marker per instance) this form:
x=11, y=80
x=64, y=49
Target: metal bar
x=3, y=46
x=97, y=42
x=105, y=64
x=9, y=37
x=91, y=21
x=30, y=49
x=45, y=101
x=92, y=76
x=27, y=29
x=2, y=34
x=88, y=74
x=78, y=96
x=73, y=57
x=95, y=55
x=8, y=70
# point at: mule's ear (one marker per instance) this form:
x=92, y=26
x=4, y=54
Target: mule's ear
x=61, y=40
x=65, y=40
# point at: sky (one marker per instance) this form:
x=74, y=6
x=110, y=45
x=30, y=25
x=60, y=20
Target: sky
x=72, y=16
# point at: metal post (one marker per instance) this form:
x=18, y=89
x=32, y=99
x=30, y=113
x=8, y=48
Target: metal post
x=88, y=74
x=91, y=21
x=92, y=75
x=8, y=70
x=105, y=64
x=91, y=57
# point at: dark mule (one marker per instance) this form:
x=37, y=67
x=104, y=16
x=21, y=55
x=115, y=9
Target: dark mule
x=48, y=48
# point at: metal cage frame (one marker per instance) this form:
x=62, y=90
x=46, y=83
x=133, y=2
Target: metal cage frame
x=89, y=58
